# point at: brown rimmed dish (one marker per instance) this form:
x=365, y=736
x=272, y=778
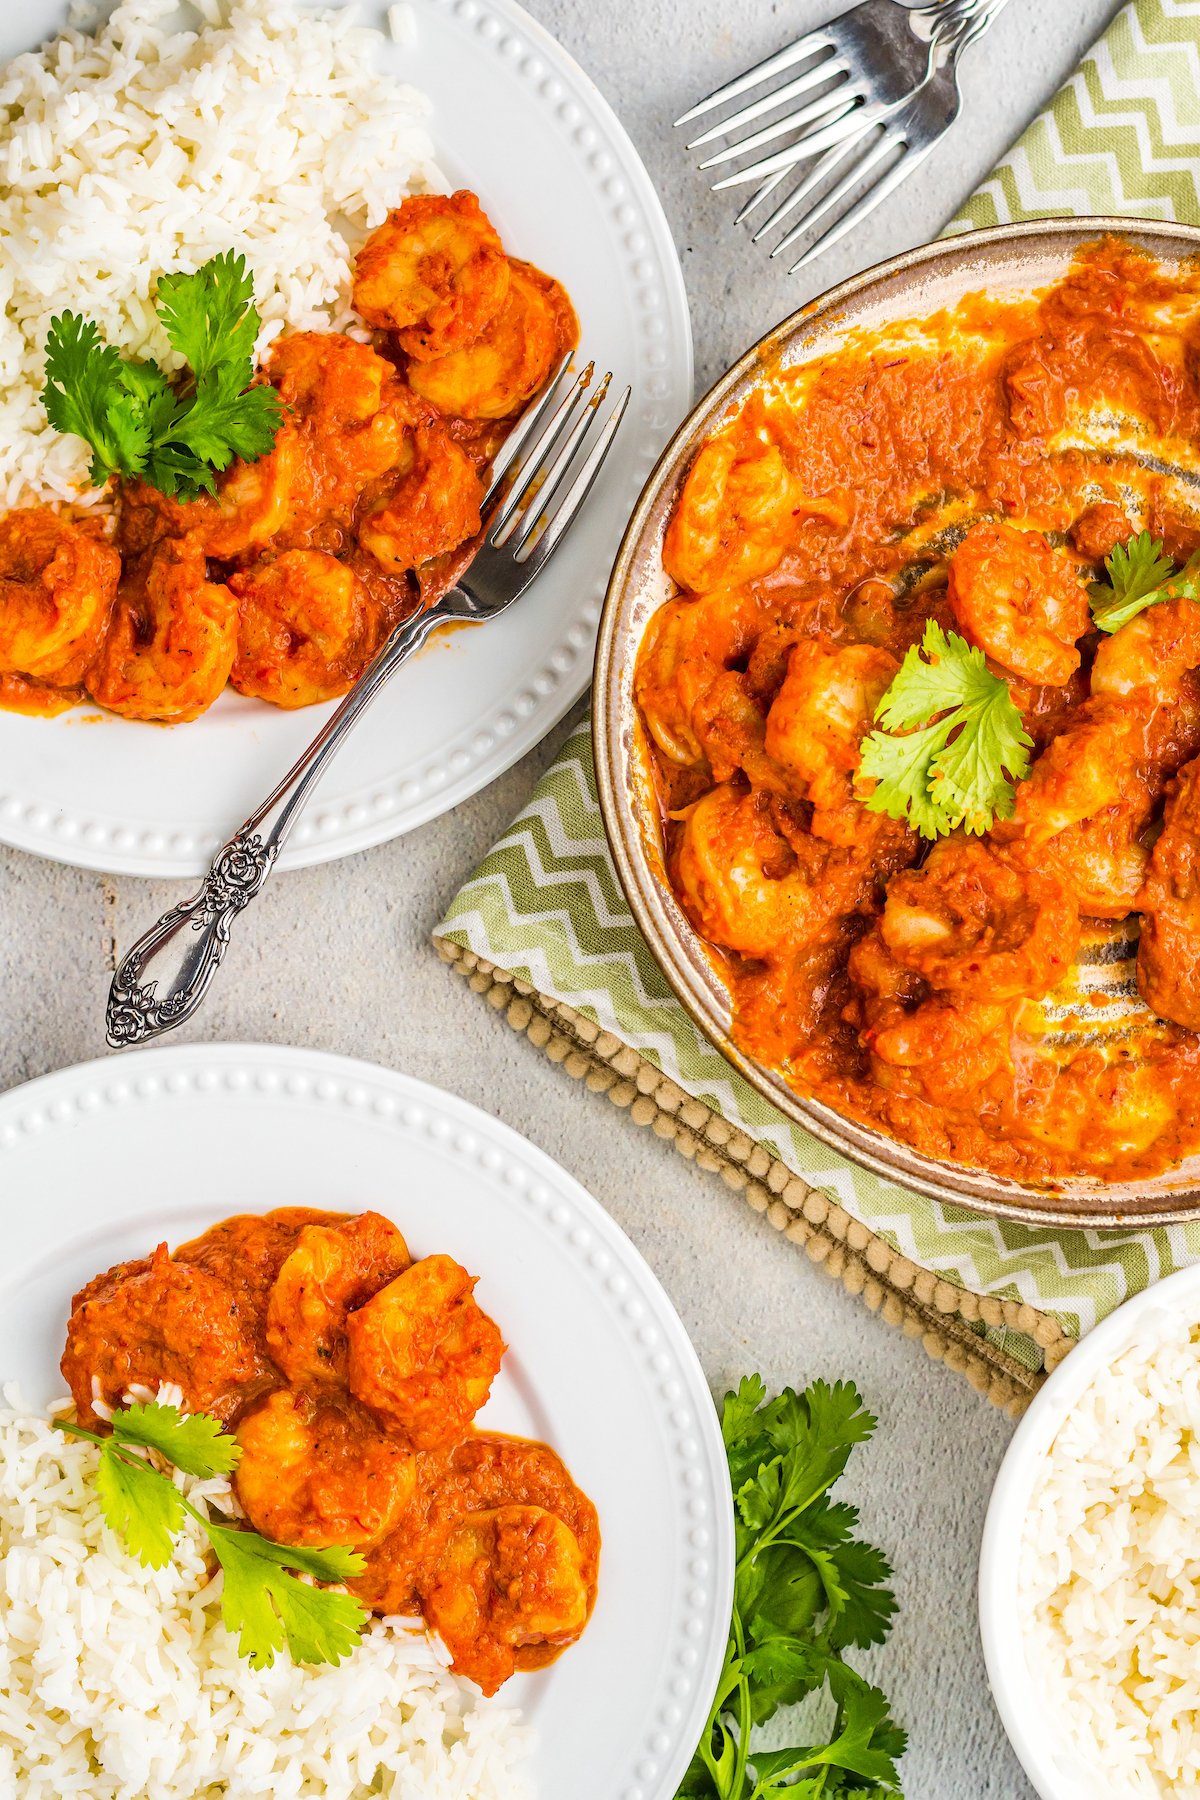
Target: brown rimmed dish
x=1010, y=261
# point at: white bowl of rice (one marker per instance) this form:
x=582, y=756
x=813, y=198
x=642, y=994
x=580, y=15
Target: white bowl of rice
x=1089, y=1581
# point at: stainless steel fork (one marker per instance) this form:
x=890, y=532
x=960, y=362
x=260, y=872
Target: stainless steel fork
x=540, y=479
x=888, y=79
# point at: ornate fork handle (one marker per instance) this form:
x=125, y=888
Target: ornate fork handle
x=166, y=975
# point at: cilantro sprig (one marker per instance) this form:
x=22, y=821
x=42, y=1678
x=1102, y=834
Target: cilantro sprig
x=1140, y=575
x=805, y=1590
x=263, y=1601
x=961, y=745
x=177, y=435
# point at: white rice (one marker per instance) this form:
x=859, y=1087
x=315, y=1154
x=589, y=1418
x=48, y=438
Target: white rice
x=1110, y=1571
x=141, y=149
x=120, y=1683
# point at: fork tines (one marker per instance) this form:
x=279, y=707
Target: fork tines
x=763, y=71
x=531, y=502
x=829, y=126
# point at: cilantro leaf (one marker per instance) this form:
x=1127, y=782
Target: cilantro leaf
x=174, y=471
x=266, y=1605
x=263, y=1599
x=902, y=769
x=211, y=320
x=805, y=1588
x=84, y=394
x=1140, y=575
x=197, y=1444
x=204, y=439
x=151, y=392
x=176, y=435
x=865, y=1743
x=773, y=1768
x=221, y=424
x=962, y=744
x=781, y=1671
x=857, y=1748
x=852, y=1575
x=738, y=1414
x=140, y=1505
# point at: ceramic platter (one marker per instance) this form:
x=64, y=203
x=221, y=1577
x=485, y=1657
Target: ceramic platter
x=518, y=121
x=101, y=1162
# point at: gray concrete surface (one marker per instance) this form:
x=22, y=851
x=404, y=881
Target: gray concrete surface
x=373, y=987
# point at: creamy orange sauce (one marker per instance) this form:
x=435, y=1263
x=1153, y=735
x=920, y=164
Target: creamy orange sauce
x=974, y=468
x=351, y=1376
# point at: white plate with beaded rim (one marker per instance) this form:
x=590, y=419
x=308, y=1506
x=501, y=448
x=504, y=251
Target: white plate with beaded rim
x=99, y=1162
x=517, y=120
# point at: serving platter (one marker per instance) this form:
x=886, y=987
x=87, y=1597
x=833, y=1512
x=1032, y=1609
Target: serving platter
x=1011, y=261
x=99, y=1161
x=519, y=122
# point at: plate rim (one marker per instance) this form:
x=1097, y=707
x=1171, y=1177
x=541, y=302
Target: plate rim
x=54, y=830
x=996, y=1592
x=67, y=1098
x=654, y=910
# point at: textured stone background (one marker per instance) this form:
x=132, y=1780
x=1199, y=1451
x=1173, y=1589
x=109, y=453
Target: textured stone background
x=339, y=957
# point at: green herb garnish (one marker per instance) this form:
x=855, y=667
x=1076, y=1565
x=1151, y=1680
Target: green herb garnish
x=1139, y=575
x=176, y=435
x=805, y=1590
x=962, y=744
x=262, y=1600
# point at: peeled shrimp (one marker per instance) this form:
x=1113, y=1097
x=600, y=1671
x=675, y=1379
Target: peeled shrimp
x=971, y=923
x=735, y=516
x=423, y=1353
x=1020, y=601
x=57, y=586
x=152, y=1321
x=316, y=1470
x=1082, y=810
x=307, y=629
x=741, y=881
x=1168, y=963
x=505, y=1579
x=689, y=644
x=1153, y=652
x=822, y=713
x=435, y=272
x=332, y=1269
x=429, y=504
x=494, y=375
x=171, y=645
x=324, y=376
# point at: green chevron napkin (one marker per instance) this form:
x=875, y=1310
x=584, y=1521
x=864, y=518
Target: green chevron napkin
x=543, y=930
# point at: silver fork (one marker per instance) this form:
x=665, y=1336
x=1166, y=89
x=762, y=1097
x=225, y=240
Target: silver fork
x=894, y=88
x=540, y=479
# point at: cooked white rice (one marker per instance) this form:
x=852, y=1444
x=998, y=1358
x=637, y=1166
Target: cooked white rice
x=120, y=1683
x=139, y=149
x=1110, y=1570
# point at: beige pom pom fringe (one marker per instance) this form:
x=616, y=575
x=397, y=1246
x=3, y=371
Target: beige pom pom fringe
x=946, y=1318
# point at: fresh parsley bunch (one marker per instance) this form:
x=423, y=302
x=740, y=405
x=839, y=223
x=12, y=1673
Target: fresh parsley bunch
x=961, y=747
x=177, y=436
x=1139, y=575
x=262, y=1600
x=805, y=1590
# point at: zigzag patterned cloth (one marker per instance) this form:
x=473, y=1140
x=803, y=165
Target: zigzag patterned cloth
x=543, y=929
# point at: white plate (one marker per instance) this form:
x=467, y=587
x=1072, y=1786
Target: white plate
x=1035, y=1731
x=100, y=1162
x=519, y=122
